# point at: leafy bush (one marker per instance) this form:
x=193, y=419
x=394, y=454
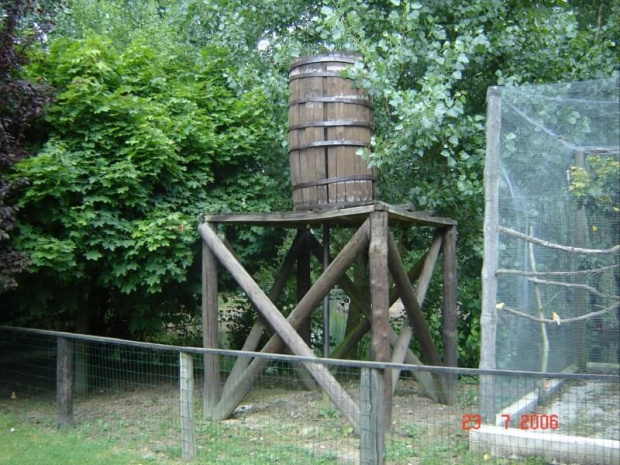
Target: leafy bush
x=141, y=142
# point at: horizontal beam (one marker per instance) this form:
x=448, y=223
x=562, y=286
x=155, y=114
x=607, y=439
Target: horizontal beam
x=552, y=245
x=397, y=215
x=313, y=359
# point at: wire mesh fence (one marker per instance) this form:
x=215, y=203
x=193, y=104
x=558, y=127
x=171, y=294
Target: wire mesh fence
x=134, y=394
x=553, y=226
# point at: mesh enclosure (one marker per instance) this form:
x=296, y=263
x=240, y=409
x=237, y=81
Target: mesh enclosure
x=558, y=215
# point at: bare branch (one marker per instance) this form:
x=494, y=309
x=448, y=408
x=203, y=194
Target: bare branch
x=587, y=316
x=578, y=286
x=544, y=356
x=552, y=245
x=557, y=273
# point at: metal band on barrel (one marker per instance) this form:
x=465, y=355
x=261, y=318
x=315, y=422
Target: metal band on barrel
x=313, y=74
x=327, y=58
x=330, y=143
x=332, y=124
x=322, y=182
x=350, y=99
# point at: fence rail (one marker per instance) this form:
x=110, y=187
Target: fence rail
x=144, y=394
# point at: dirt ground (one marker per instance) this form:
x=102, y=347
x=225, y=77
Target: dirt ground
x=589, y=409
x=417, y=421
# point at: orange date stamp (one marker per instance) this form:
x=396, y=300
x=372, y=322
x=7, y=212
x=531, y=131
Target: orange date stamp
x=534, y=421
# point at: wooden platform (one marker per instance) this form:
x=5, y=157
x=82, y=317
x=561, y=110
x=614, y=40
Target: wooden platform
x=372, y=237
x=401, y=215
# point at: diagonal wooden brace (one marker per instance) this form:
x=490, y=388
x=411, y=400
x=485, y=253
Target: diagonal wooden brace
x=430, y=259
x=416, y=318
x=424, y=378
x=286, y=329
x=253, y=339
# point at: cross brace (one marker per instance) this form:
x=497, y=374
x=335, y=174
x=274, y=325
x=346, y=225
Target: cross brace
x=374, y=238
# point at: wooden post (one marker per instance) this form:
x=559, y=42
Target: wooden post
x=488, y=319
x=581, y=298
x=210, y=333
x=380, y=302
x=81, y=366
x=284, y=329
x=188, y=426
x=379, y=287
x=326, y=312
x=449, y=312
x=64, y=383
x=372, y=415
x=304, y=283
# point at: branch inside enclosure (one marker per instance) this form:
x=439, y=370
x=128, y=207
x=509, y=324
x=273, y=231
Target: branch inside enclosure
x=552, y=245
x=544, y=357
x=568, y=320
x=557, y=273
x=578, y=286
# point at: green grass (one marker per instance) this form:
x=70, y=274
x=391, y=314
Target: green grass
x=23, y=443
x=26, y=443
x=119, y=441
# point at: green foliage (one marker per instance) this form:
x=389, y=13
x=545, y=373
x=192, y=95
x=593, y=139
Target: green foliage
x=149, y=129
x=598, y=186
x=595, y=189
x=21, y=102
x=120, y=21
x=141, y=142
x=427, y=66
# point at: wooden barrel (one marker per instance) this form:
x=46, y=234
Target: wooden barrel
x=329, y=121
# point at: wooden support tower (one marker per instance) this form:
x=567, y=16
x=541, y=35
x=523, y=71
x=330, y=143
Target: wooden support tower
x=373, y=221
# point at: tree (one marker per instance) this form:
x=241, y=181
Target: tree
x=21, y=102
x=142, y=140
x=427, y=66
